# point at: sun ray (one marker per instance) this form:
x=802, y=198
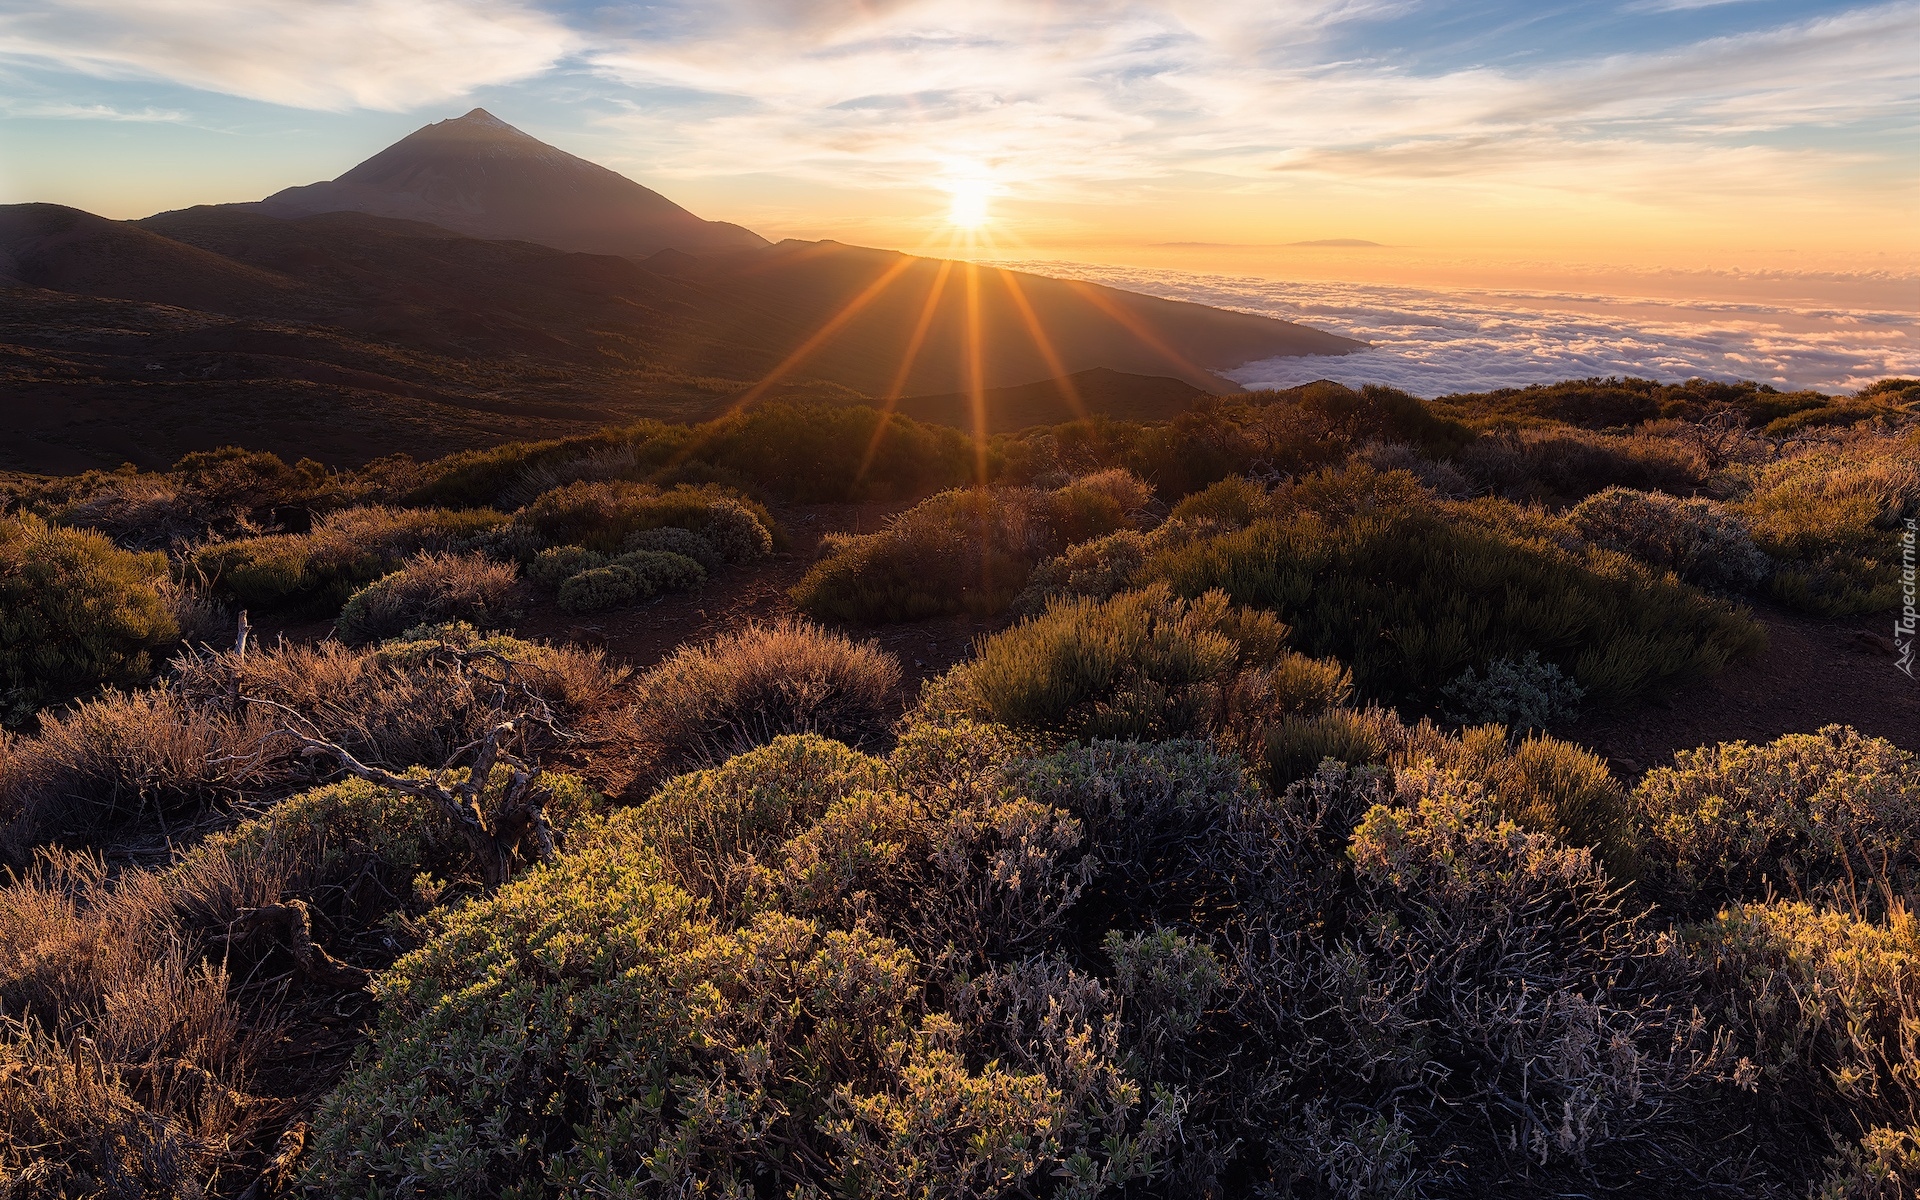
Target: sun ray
x=1133, y=325
x=907, y=359
x=976, y=383
x=847, y=312
x=1044, y=344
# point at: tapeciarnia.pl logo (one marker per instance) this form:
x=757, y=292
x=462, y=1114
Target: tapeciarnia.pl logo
x=1905, y=624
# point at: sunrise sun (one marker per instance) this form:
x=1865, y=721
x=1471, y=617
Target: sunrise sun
x=971, y=200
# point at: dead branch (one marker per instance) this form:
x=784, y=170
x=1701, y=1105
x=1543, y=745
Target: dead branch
x=312, y=959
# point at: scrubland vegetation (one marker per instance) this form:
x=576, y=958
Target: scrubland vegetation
x=1246, y=856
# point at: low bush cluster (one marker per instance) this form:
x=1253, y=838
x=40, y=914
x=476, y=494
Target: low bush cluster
x=314, y=573
x=140, y=1053
x=1143, y=664
x=1832, y=817
x=430, y=589
x=629, y=579
x=602, y=516
x=1528, y=694
x=1411, y=592
x=1829, y=516
x=980, y=966
x=210, y=741
x=964, y=551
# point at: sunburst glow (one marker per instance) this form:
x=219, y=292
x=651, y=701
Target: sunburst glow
x=972, y=203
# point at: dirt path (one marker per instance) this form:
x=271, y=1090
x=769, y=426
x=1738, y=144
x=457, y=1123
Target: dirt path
x=1813, y=673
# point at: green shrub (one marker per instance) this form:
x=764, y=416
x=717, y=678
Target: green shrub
x=1528, y=694
x=429, y=589
x=1143, y=664
x=1832, y=817
x=824, y=453
x=708, y=1049
x=128, y=1005
x=1829, y=514
x=1295, y=746
x=686, y=543
x=557, y=564
x=1696, y=539
x=75, y=613
x=315, y=572
x=961, y=551
x=1410, y=591
x=1236, y=501
x=1096, y=569
x=706, y=703
x=629, y=579
x=1818, y=1009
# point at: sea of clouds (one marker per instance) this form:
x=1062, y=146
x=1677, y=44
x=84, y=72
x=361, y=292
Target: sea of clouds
x=1431, y=341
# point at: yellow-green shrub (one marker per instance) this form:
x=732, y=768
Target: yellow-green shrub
x=75, y=612
x=1832, y=817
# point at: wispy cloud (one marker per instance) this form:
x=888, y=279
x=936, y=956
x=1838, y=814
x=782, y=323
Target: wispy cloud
x=53, y=110
x=320, y=54
x=1054, y=96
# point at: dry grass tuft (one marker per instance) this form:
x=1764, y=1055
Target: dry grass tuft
x=744, y=689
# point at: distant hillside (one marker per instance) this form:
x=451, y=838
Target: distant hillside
x=1098, y=392
x=346, y=336
x=479, y=175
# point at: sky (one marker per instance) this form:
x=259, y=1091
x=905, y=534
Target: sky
x=1685, y=140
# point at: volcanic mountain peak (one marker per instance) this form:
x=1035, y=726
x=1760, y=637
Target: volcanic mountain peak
x=480, y=176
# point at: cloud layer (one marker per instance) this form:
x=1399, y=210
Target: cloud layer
x=1432, y=342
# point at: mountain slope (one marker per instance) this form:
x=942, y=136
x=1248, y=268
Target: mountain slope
x=480, y=176
x=67, y=250
x=346, y=336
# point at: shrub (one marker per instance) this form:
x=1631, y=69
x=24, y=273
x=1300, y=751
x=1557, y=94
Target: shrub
x=315, y=572
x=961, y=550
x=170, y=756
x=139, y=1048
x=1097, y=569
x=1528, y=694
x=684, y=542
x=557, y=564
x=75, y=613
x=707, y=703
x=629, y=579
x=1235, y=501
x=1696, y=539
x=429, y=589
x=601, y=516
x=1828, y=515
x=708, y=1045
x=1818, y=1009
x=1294, y=748
x=1143, y=664
x=1832, y=817
x=1409, y=591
